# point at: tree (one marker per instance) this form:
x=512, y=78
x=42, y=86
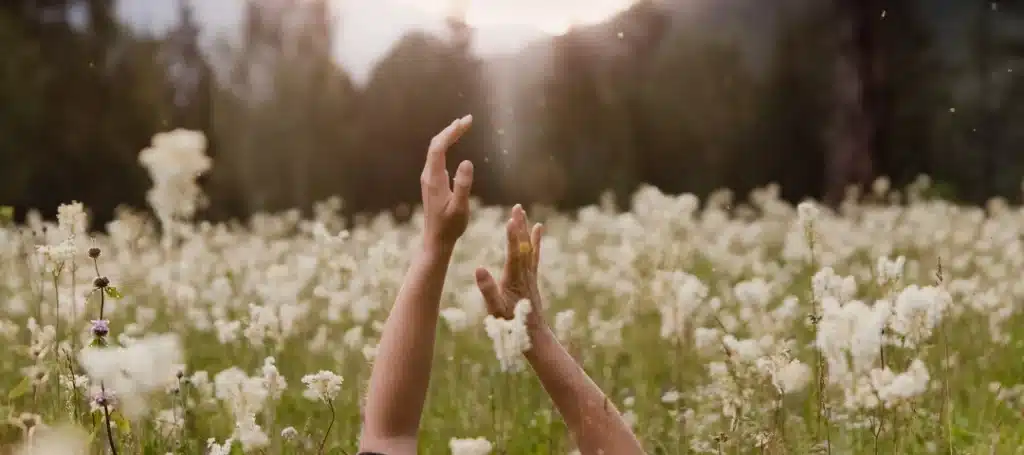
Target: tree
x=796, y=104
x=285, y=116
x=883, y=95
x=583, y=114
x=696, y=116
x=397, y=118
x=84, y=99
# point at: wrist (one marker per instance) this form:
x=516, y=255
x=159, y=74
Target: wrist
x=436, y=250
x=540, y=334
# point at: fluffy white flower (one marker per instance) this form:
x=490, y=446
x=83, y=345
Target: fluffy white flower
x=276, y=384
x=671, y=397
x=249, y=433
x=510, y=337
x=212, y=448
x=684, y=295
x=243, y=394
x=456, y=318
x=917, y=312
x=289, y=433
x=322, y=386
x=808, y=213
x=174, y=161
x=788, y=376
x=894, y=388
x=148, y=365
x=474, y=446
x=71, y=219
x=62, y=440
x=168, y=422
x=565, y=322
x=890, y=270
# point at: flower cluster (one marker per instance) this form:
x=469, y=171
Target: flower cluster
x=725, y=325
x=511, y=337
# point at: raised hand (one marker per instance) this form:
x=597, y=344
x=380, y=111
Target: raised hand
x=401, y=373
x=519, y=279
x=445, y=206
x=596, y=426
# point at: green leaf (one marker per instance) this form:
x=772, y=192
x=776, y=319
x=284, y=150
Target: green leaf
x=236, y=449
x=113, y=293
x=22, y=388
x=6, y=213
x=122, y=424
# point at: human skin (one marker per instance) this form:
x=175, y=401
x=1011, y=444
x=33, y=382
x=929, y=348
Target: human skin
x=595, y=424
x=401, y=372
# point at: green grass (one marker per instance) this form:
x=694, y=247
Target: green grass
x=470, y=397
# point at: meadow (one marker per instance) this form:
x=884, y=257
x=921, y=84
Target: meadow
x=739, y=324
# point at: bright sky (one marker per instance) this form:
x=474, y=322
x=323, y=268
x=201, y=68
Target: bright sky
x=551, y=16
x=369, y=28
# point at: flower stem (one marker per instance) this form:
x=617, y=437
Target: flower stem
x=327, y=433
x=106, y=417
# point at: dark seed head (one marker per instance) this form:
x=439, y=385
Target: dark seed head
x=101, y=282
x=29, y=420
x=94, y=252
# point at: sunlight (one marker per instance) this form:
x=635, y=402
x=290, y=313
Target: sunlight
x=554, y=17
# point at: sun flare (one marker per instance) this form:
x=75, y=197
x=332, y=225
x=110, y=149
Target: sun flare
x=554, y=17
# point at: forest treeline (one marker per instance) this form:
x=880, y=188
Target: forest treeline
x=836, y=93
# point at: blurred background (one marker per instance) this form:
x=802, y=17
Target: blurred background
x=305, y=99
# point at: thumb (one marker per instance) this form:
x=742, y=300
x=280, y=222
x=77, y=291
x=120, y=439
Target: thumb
x=489, y=290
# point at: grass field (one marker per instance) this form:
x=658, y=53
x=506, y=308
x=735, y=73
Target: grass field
x=718, y=327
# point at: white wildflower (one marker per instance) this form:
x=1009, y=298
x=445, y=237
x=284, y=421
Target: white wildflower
x=322, y=386
x=510, y=337
x=475, y=446
x=131, y=372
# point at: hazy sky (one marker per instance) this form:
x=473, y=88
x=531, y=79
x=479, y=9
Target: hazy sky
x=369, y=28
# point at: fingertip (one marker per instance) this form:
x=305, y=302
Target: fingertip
x=483, y=279
x=466, y=167
x=517, y=215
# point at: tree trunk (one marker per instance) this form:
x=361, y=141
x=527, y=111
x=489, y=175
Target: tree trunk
x=852, y=133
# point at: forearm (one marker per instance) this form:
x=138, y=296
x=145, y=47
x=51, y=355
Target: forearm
x=401, y=372
x=593, y=421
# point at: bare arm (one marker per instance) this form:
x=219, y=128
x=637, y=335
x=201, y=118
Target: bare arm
x=595, y=424
x=401, y=373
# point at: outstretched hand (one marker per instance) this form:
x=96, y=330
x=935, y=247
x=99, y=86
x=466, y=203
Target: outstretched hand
x=519, y=279
x=445, y=205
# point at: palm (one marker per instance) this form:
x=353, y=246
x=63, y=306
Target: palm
x=519, y=278
x=446, y=202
